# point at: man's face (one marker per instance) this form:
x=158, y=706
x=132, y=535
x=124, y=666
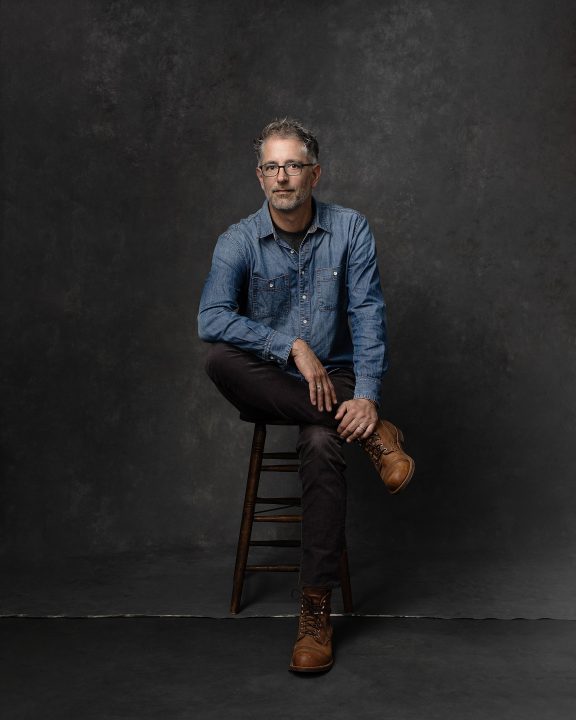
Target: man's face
x=287, y=192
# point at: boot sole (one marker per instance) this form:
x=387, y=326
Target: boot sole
x=320, y=668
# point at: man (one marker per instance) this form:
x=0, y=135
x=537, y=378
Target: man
x=294, y=307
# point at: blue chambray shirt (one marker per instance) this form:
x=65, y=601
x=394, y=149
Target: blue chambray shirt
x=260, y=294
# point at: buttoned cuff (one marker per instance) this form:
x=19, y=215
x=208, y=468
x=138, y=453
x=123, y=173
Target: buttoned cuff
x=367, y=388
x=278, y=346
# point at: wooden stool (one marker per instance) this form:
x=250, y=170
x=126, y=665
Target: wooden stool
x=249, y=517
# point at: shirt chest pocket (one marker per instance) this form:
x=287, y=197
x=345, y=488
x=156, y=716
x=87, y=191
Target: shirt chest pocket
x=270, y=297
x=328, y=284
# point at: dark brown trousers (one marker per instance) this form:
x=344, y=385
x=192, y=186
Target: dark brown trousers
x=262, y=389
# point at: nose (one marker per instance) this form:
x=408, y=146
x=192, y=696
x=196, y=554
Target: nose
x=284, y=175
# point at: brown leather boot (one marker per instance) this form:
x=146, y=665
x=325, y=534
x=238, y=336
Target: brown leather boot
x=313, y=648
x=393, y=465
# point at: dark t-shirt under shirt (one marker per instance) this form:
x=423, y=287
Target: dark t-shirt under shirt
x=294, y=239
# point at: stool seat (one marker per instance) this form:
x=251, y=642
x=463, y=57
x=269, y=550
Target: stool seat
x=249, y=516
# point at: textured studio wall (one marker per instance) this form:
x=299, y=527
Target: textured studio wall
x=127, y=150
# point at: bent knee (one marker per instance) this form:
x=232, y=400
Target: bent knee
x=318, y=438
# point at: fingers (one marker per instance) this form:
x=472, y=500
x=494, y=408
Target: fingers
x=355, y=424
x=366, y=434
x=341, y=411
x=357, y=431
x=318, y=393
x=322, y=395
x=333, y=393
x=322, y=392
x=320, y=387
x=329, y=393
x=313, y=391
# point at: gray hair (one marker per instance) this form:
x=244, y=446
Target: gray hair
x=288, y=127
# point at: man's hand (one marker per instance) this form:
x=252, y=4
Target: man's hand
x=358, y=419
x=322, y=393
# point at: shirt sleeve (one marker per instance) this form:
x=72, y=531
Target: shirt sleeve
x=218, y=317
x=366, y=313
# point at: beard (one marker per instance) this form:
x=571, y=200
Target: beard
x=290, y=201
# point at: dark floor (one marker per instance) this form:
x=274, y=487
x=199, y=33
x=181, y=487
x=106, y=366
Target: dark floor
x=177, y=668
x=428, y=654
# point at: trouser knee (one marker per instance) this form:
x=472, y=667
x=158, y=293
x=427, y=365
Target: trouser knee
x=320, y=446
x=318, y=439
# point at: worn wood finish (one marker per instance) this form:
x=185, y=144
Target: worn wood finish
x=296, y=501
x=280, y=468
x=258, y=440
x=272, y=568
x=275, y=543
x=279, y=518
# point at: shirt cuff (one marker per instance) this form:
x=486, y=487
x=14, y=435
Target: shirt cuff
x=367, y=388
x=278, y=346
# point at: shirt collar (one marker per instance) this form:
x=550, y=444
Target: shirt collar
x=321, y=219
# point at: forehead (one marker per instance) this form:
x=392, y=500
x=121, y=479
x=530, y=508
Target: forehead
x=279, y=149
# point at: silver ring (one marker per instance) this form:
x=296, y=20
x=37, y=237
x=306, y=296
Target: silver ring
x=318, y=387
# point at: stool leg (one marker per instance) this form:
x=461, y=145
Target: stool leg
x=258, y=440
x=345, y=582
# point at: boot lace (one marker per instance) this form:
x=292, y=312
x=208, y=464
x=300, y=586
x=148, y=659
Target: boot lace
x=313, y=616
x=376, y=448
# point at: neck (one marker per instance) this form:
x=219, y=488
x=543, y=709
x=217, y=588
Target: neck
x=293, y=220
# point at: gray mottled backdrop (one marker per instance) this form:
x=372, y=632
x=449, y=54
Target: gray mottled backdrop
x=127, y=150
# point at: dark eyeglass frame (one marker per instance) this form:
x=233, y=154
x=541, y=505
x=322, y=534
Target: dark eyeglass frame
x=300, y=165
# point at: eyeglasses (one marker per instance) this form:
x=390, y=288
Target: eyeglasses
x=272, y=169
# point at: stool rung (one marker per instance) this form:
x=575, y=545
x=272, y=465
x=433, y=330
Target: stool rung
x=279, y=500
x=274, y=543
x=280, y=456
x=280, y=468
x=278, y=518
x=272, y=568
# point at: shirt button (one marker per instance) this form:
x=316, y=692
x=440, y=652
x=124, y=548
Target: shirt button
x=303, y=297
x=304, y=321
x=272, y=284
x=301, y=272
x=335, y=273
x=291, y=252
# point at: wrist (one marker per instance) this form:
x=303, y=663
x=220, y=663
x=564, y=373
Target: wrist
x=372, y=402
x=297, y=345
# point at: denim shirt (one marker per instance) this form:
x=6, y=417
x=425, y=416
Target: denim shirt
x=261, y=295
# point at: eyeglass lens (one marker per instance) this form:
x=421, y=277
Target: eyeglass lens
x=271, y=169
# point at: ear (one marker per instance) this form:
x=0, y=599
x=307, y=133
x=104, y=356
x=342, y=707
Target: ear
x=316, y=172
